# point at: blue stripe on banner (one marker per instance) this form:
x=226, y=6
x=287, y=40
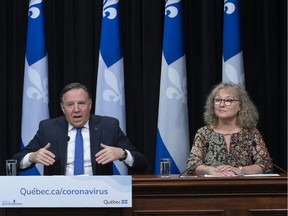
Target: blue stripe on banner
x=160, y=147
x=231, y=32
x=115, y=170
x=112, y=51
x=35, y=33
x=32, y=171
x=173, y=32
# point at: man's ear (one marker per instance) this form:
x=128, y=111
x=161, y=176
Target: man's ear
x=62, y=108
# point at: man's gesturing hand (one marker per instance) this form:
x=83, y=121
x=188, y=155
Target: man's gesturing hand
x=43, y=156
x=108, y=154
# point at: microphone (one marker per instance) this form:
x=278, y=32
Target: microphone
x=254, y=146
x=68, y=138
x=189, y=168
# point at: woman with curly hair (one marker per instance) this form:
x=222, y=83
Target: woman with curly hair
x=229, y=144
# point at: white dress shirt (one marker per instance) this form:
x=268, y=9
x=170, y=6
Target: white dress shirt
x=71, y=150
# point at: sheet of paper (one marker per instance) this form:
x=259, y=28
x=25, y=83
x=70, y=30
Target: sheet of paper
x=252, y=175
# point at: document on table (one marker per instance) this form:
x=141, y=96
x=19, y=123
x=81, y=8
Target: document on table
x=252, y=175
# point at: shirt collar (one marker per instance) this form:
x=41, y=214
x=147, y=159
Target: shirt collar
x=70, y=127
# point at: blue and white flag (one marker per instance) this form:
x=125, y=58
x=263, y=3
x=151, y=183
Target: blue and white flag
x=233, y=68
x=110, y=94
x=173, y=132
x=35, y=87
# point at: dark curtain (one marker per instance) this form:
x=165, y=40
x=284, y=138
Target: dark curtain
x=73, y=35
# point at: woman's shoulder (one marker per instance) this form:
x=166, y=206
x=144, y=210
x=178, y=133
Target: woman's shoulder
x=205, y=129
x=251, y=133
x=253, y=130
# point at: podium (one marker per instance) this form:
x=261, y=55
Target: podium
x=230, y=196
x=153, y=195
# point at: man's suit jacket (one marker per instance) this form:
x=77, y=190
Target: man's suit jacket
x=102, y=129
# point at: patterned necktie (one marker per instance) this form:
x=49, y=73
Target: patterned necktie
x=79, y=156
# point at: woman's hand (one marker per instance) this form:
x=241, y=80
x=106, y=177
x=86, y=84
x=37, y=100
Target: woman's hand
x=228, y=170
x=220, y=171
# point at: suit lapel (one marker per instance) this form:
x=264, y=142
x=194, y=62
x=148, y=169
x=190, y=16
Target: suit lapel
x=63, y=139
x=95, y=130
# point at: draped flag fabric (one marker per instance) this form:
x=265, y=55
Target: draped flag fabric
x=35, y=87
x=173, y=132
x=110, y=95
x=233, y=68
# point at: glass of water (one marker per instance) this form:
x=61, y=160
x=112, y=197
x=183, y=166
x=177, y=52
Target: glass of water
x=165, y=167
x=11, y=167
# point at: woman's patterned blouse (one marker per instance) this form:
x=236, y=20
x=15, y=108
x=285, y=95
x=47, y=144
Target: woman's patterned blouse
x=247, y=147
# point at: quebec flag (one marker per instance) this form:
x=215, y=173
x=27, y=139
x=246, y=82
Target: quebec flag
x=35, y=87
x=110, y=94
x=173, y=132
x=233, y=68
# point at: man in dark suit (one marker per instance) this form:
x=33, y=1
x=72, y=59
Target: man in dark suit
x=103, y=140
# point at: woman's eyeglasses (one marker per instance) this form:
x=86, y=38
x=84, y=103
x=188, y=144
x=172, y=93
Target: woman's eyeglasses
x=227, y=102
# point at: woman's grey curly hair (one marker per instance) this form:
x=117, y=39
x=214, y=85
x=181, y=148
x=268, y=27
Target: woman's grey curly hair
x=248, y=114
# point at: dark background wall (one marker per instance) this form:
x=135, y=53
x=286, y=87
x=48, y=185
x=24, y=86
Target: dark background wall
x=73, y=32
